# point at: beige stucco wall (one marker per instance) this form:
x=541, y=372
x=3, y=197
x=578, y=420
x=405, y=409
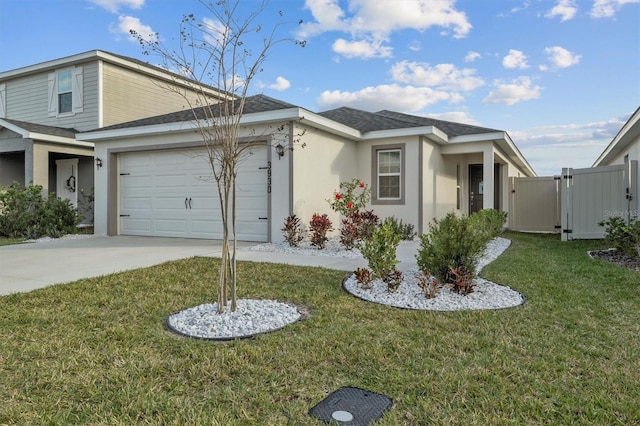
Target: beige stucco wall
x=317, y=170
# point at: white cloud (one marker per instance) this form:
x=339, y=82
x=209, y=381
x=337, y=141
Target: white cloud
x=114, y=5
x=127, y=23
x=280, y=85
x=565, y=9
x=415, y=46
x=212, y=31
x=361, y=49
x=608, y=8
x=443, y=76
x=456, y=117
x=329, y=17
x=515, y=59
x=518, y=90
x=472, y=56
x=561, y=57
x=393, y=97
x=573, y=145
x=376, y=20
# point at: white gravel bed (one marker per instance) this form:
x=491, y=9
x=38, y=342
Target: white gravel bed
x=333, y=248
x=486, y=294
x=251, y=317
x=64, y=237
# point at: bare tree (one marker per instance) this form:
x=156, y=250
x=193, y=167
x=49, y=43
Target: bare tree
x=220, y=54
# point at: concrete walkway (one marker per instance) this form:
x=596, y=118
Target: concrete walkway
x=29, y=266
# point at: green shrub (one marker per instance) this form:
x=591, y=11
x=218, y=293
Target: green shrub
x=380, y=251
x=489, y=222
x=452, y=244
x=623, y=237
x=351, y=196
x=405, y=230
x=24, y=213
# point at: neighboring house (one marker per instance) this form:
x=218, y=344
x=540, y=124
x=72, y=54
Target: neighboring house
x=155, y=178
x=623, y=149
x=44, y=106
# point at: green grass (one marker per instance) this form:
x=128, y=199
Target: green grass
x=10, y=241
x=96, y=351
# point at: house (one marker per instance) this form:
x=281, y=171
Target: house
x=624, y=149
x=155, y=178
x=44, y=106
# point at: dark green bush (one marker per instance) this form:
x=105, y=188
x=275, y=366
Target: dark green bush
x=380, y=251
x=24, y=213
x=452, y=244
x=622, y=236
x=405, y=230
x=489, y=222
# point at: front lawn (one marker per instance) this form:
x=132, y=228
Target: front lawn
x=10, y=241
x=96, y=351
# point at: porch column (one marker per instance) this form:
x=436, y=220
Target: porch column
x=28, y=163
x=487, y=178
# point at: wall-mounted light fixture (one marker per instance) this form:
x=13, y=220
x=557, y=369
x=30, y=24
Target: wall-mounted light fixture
x=98, y=163
x=280, y=151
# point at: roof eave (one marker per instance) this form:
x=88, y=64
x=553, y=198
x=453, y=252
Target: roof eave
x=505, y=142
x=627, y=134
x=26, y=134
x=431, y=132
x=287, y=114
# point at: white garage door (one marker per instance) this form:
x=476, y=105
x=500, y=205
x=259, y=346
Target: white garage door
x=172, y=193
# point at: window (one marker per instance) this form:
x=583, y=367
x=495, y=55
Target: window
x=388, y=174
x=65, y=92
x=65, y=100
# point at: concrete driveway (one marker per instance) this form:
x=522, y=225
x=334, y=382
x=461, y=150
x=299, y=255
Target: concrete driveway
x=25, y=267
x=29, y=266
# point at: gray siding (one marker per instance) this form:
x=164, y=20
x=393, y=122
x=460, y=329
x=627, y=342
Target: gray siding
x=27, y=98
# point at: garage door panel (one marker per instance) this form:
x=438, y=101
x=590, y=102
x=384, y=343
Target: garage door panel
x=167, y=226
x=139, y=226
x=156, y=184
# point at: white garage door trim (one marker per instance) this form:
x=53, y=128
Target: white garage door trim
x=172, y=193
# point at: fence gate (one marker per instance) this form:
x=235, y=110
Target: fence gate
x=535, y=204
x=591, y=195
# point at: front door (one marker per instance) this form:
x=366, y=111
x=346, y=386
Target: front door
x=476, y=188
x=67, y=180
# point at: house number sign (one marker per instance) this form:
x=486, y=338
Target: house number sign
x=268, y=169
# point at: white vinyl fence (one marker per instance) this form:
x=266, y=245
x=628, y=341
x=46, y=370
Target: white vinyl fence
x=574, y=202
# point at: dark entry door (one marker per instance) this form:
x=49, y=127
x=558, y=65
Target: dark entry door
x=476, y=188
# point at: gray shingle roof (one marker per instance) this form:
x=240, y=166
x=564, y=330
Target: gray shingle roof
x=364, y=121
x=389, y=120
x=253, y=104
x=40, y=128
x=450, y=128
x=360, y=120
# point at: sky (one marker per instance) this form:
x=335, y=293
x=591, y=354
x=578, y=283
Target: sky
x=560, y=76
